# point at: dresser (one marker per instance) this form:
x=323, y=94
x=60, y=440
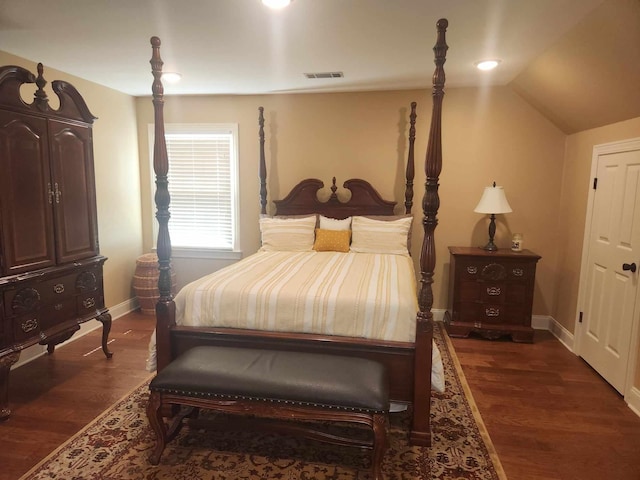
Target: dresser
x=50, y=264
x=491, y=293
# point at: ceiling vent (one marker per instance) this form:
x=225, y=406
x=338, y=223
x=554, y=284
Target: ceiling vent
x=325, y=75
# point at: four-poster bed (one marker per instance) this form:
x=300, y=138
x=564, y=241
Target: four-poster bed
x=408, y=362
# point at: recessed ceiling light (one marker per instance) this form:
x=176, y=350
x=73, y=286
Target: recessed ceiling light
x=171, y=77
x=276, y=4
x=487, y=64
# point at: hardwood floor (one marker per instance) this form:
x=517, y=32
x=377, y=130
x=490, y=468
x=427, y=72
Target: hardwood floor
x=549, y=414
x=55, y=396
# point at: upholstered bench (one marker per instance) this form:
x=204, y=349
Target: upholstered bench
x=279, y=385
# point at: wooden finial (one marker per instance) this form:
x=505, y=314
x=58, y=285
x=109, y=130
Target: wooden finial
x=41, y=100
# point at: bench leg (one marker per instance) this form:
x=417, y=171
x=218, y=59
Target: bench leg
x=154, y=415
x=176, y=424
x=379, y=444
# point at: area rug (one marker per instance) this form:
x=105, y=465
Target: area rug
x=115, y=446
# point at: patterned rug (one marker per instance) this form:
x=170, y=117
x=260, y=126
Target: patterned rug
x=115, y=446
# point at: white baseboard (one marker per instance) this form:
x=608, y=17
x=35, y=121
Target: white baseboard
x=562, y=334
x=633, y=400
x=31, y=353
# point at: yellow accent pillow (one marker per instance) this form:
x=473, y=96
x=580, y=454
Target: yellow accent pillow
x=332, y=240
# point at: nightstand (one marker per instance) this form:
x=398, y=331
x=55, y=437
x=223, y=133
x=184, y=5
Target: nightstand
x=491, y=293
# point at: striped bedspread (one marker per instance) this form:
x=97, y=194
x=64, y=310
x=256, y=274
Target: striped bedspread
x=347, y=294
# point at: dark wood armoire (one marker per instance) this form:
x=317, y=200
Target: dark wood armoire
x=50, y=262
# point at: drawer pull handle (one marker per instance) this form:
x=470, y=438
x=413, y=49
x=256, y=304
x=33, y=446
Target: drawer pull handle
x=492, y=312
x=493, y=291
x=58, y=307
x=29, y=325
x=89, y=302
x=472, y=270
x=58, y=288
x=518, y=272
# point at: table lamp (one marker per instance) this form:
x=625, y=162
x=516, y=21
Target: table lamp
x=493, y=202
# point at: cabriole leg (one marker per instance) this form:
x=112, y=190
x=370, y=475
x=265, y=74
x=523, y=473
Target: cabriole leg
x=154, y=415
x=5, y=368
x=105, y=318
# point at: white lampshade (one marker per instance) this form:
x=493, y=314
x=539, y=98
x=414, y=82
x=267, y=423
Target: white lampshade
x=493, y=201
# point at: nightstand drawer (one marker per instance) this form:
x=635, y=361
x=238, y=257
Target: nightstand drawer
x=518, y=272
x=488, y=313
x=493, y=292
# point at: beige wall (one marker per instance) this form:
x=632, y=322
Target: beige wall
x=573, y=208
x=117, y=174
x=487, y=135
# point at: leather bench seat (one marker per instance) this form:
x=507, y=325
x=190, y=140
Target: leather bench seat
x=275, y=385
x=304, y=378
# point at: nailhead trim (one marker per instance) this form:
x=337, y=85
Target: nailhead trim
x=267, y=400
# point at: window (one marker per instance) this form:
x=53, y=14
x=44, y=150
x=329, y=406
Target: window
x=203, y=184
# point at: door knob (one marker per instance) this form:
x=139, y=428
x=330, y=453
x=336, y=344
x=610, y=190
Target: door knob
x=629, y=266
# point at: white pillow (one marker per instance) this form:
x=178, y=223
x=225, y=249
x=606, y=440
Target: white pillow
x=379, y=236
x=327, y=223
x=290, y=234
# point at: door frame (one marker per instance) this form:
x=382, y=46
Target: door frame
x=605, y=148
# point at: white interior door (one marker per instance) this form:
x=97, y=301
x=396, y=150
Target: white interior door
x=609, y=306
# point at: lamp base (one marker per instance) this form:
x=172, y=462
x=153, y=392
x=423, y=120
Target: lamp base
x=491, y=247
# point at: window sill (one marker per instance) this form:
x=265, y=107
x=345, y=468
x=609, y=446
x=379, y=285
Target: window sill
x=182, y=252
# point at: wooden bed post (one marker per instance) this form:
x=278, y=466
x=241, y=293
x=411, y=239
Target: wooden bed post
x=165, y=308
x=408, y=191
x=263, y=164
x=421, y=430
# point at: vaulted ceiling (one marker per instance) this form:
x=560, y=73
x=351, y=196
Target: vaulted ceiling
x=591, y=76
x=576, y=61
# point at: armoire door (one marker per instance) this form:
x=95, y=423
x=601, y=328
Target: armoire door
x=74, y=195
x=26, y=216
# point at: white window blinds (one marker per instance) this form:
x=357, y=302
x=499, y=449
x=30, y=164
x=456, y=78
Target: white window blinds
x=203, y=185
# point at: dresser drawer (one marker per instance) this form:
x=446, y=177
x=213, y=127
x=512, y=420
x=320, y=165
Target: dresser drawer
x=25, y=327
x=30, y=325
x=33, y=294
x=24, y=299
x=89, y=302
x=54, y=290
x=36, y=293
x=58, y=312
x=89, y=280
